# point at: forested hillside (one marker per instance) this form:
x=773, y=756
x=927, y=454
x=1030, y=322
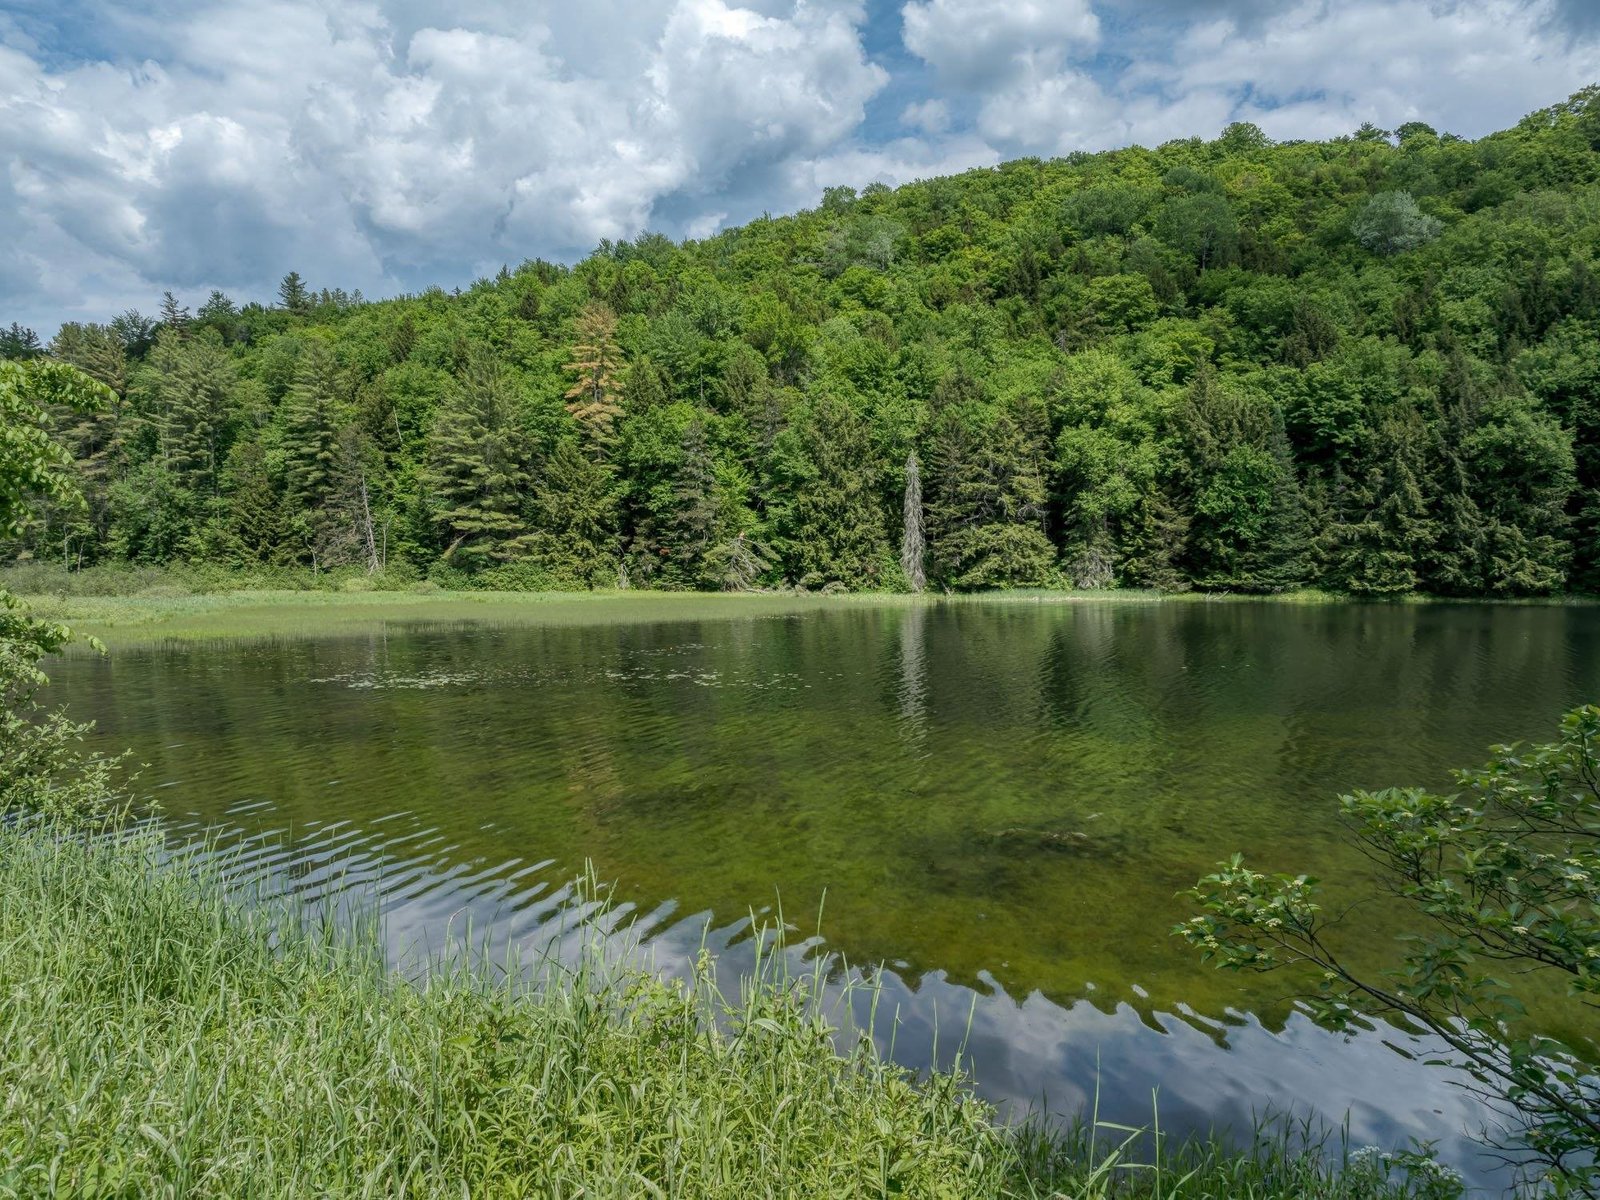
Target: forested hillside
x=1370, y=364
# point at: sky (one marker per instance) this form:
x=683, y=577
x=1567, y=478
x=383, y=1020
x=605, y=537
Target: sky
x=388, y=145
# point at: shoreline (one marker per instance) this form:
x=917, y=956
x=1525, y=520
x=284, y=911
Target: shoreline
x=173, y=611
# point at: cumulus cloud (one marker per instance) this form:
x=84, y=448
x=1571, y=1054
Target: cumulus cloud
x=974, y=43
x=387, y=144
x=1308, y=69
x=373, y=149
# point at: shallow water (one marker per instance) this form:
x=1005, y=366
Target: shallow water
x=996, y=802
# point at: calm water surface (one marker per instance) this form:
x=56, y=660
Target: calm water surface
x=995, y=802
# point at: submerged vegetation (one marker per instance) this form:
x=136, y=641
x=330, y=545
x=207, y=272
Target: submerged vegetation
x=1365, y=365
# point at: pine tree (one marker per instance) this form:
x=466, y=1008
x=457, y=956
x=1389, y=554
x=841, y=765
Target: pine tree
x=1382, y=553
x=595, y=361
x=174, y=316
x=478, y=466
x=311, y=416
x=986, y=505
x=575, y=509
x=693, y=522
x=217, y=309
x=1249, y=530
x=830, y=528
x=19, y=342
x=193, y=408
x=293, y=295
x=95, y=438
x=347, y=531
x=255, y=512
x=1455, y=563
x=986, y=514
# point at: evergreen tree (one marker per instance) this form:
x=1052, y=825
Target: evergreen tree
x=174, y=316
x=19, y=342
x=293, y=295
x=95, y=437
x=830, y=530
x=987, y=508
x=217, y=310
x=478, y=466
x=153, y=516
x=135, y=331
x=1248, y=531
x=575, y=510
x=192, y=409
x=1383, y=552
x=696, y=509
x=1522, y=467
x=1454, y=565
x=313, y=412
x=255, y=511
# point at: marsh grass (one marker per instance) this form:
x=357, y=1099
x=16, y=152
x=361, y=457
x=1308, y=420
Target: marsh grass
x=166, y=1036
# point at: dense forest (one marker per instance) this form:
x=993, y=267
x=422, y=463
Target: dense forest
x=1370, y=364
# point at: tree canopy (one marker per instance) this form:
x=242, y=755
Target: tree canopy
x=1366, y=364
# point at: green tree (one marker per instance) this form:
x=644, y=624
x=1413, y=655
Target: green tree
x=293, y=295
x=575, y=540
x=1203, y=227
x=1248, y=531
x=1391, y=223
x=1502, y=881
x=255, y=516
x=191, y=407
x=478, y=466
x=1382, y=551
x=828, y=524
x=986, y=506
x=1115, y=462
x=19, y=342
x=41, y=770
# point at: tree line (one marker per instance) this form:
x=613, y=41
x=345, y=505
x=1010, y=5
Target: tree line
x=1369, y=364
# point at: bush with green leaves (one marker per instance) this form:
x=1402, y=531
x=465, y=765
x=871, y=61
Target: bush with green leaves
x=44, y=770
x=1503, y=879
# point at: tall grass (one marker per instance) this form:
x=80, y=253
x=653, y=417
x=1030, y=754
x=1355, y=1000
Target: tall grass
x=163, y=1039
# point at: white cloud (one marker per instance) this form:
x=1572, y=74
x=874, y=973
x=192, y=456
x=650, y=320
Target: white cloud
x=975, y=43
x=369, y=147
x=930, y=116
x=1308, y=70
x=385, y=144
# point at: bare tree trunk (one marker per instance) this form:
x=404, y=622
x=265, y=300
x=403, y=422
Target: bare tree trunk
x=373, y=565
x=913, y=543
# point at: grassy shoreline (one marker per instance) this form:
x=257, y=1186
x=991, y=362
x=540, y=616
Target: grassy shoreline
x=145, y=604
x=180, y=1042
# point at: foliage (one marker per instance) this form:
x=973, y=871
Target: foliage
x=1364, y=364
x=41, y=770
x=1391, y=223
x=1504, y=878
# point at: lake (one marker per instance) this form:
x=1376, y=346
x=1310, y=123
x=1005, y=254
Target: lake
x=995, y=802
